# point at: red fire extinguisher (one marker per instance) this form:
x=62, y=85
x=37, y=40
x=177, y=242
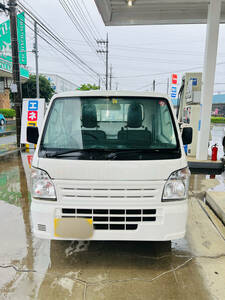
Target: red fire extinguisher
x=214, y=152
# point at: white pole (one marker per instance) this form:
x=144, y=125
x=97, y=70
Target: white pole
x=36, y=59
x=208, y=77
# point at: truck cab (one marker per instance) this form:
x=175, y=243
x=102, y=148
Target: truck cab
x=109, y=166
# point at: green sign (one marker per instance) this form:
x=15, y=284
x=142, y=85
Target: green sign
x=5, y=40
x=7, y=66
x=24, y=72
x=22, y=38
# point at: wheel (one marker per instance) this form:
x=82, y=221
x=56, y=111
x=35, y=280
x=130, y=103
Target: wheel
x=2, y=122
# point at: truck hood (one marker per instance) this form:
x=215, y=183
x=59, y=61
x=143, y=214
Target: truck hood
x=109, y=170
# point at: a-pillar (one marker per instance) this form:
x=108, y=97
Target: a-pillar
x=211, y=46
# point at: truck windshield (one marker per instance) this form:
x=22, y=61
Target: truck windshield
x=117, y=124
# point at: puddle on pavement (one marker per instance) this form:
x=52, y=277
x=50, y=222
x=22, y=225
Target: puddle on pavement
x=221, y=183
x=63, y=268
x=205, y=182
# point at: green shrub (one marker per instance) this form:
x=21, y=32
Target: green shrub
x=8, y=113
x=217, y=120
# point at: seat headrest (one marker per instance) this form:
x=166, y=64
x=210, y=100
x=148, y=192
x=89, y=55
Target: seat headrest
x=89, y=116
x=134, y=116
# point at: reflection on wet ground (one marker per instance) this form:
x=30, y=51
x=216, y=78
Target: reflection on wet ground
x=8, y=127
x=31, y=268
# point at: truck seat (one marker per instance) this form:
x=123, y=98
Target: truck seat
x=138, y=136
x=89, y=121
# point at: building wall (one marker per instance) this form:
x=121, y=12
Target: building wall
x=60, y=84
x=4, y=99
x=218, y=109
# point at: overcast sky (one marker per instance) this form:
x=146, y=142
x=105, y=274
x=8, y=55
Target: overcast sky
x=137, y=53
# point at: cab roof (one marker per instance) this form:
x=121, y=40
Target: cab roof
x=99, y=93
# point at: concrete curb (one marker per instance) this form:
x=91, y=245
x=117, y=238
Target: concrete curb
x=216, y=200
x=7, y=133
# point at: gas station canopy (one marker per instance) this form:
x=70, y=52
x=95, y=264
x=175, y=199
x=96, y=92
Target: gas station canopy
x=174, y=12
x=155, y=12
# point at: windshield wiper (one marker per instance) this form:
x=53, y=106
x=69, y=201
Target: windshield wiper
x=110, y=153
x=114, y=154
x=59, y=153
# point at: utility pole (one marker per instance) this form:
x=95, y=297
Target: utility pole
x=35, y=51
x=106, y=52
x=168, y=85
x=17, y=95
x=153, y=85
x=110, y=78
x=107, y=61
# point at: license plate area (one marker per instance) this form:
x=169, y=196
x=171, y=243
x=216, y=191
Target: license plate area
x=73, y=228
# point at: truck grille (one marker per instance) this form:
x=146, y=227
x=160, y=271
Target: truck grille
x=104, y=193
x=112, y=219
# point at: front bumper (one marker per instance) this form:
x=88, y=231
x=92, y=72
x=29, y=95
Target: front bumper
x=169, y=224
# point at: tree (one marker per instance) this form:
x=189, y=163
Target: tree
x=29, y=88
x=88, y=87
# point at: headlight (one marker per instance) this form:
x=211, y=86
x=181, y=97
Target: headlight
x=176, y=187
x=42, y=186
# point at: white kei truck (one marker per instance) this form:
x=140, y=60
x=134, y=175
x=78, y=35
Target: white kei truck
x=109, y=165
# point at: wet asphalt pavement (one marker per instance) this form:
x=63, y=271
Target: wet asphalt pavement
x=30, y=268
x=11, y=139
x=7, y=137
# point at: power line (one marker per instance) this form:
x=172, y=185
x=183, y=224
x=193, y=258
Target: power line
x=88, y=20
x=93, y=24
x=60, y=51
x=159, y=60
x=59, y=61
x=172, y=51
x=74, y=17
x=80, y=63
x=84, y=19
x=178, y=71
x=78, y=18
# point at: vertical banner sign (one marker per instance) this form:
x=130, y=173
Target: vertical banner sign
x=22, y=38
x=174, y=79
x=173, y=93
x=32, y=115
x=5, y=41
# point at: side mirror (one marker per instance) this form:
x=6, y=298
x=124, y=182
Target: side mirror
x=187, y=135
x=32, y=134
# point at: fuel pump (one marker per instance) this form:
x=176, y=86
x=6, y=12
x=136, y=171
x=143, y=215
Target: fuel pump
x=189, y=106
